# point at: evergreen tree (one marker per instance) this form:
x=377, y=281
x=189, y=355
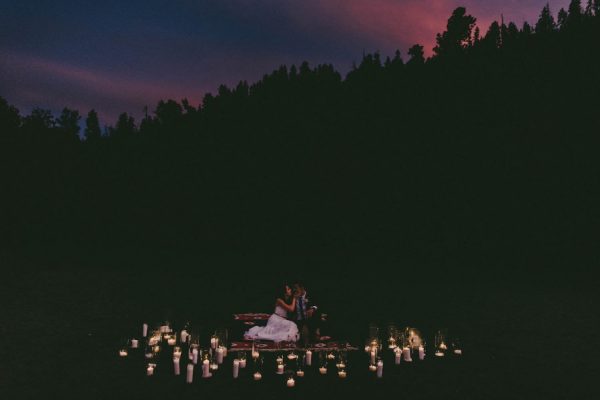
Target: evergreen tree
x=458, y=34
x=562, y=18
x=417, y=55
x=546, y=22
x=92, y=126
x=68, y=122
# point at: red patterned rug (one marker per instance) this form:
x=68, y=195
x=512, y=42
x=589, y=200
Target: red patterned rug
x=246, y=345
x=251, y=317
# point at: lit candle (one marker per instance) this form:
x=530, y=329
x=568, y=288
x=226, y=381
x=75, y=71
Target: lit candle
x=176, y=365
x=458, y=351
x=236, y=368
x=184, y=336
x=149, y=354
x=214, y=366
x=206, y=369
x=323, y=370
x=243, y=363
x=439, y=353
x=171, y=341
x=144, y=330
x=421, y=353
x=214, y=342
x=300, y=373
x=220, y=355
x=397, y=355
x=340, y=365
x=195, y=356
x=372, y=368
x=406, y=353
x=308, y=358
x=380, y=369
x=331, y=356
x=190, y=373
x=373, y=354
x=156, y=349
x=123, y=353
x=255, y=354
x=177, y=352
x=279, y=369
x=342, y=374
x=150, y=370
x=443, y=346
x=279, y=359
x=164, y=328
x=134, y=343
x=292, y=356
x=291, y=382
x=257, y=376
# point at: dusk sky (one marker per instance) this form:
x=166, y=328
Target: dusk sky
x=117, y=56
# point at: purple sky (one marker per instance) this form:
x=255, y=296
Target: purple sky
x=118, y=56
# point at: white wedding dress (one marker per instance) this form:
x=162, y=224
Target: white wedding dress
x=278, y=328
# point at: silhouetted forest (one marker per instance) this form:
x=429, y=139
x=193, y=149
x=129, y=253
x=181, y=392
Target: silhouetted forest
x=484, y=153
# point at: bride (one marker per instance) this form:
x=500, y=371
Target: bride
x=278, y=327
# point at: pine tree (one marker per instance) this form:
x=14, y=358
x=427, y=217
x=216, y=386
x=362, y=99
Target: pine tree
x=92, y=126
x=546, y=22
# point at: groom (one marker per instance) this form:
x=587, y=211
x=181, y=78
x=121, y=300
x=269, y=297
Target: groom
x=306, y=315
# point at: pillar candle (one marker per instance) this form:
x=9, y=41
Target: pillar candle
x=190, y=373
x=323, y=370
x=279, y=369
x=255, y=354
x=177, y=352
x=406, y=353
x=214, y=342
x=195, y=356
x=183, y=336
x=134, y=343
x=291, y=382
x=243, y=363
x=123, y=353
x=342, y=374
x=458, y=351
x=214, y=366
x=257, y=376
x=372, y=367
x=220, y=355
x=172, y=341
x=308, y=358
x=397, y=356
x=300, y=373
x=373, y=357
x=144, y=330
x=150, y=371
x=380, y=369
x=421, y=353
x=205, y=369
x=236, y=368
x=176, y=365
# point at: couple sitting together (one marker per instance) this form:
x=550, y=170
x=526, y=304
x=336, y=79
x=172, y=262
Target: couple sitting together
x=293, y=318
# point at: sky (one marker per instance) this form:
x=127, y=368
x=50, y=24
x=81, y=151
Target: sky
x=119, y=56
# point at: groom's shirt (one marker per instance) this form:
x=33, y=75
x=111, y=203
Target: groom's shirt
x=301, y=307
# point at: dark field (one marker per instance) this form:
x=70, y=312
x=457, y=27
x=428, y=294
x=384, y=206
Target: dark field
x=523, y=336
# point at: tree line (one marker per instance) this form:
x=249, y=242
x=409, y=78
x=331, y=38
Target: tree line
x=488, y=144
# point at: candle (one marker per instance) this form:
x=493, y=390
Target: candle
x=372, y=367
x=220, y=355
x=340, y=365
x=443, y=346
x=176, y=365
x=190, y=373
x=236, y=368
x=123, y=353
x=243, y=363
x=308, y=358
x=224, y=351
x=184, y=336
x=342, y=374
x=331, y=356
x=421, y=353
x=439, y=353
x=279, y=369
x=156, y=349
x=164, y=328
x=406, y=353
x=291, y=382
x=300, y=373
x=214, y=342
x=144, y=330
x=257, y=376
x=206, y=369
x=292, y=356
x=323, y=370
x=134, y=343
x=367, y=349
x=149, y=355
x=458, y=351
x=373, y=354
x=214, y=366
x=171, y=341
x=380, y=369
x=255, y=354
x=279, y=359
x=177, y=352
x=150, y=370
x=397, y=356
x=195, y=356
